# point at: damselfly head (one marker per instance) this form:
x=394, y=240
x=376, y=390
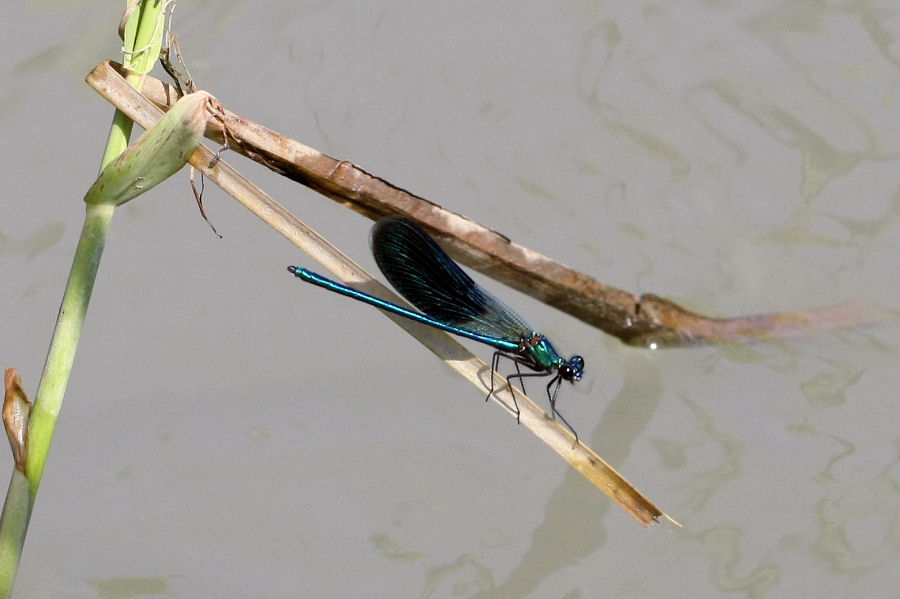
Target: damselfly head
x=573, y=369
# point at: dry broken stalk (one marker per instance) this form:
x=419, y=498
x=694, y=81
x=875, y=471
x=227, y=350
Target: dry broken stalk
x=582, y=458
x=647, y=320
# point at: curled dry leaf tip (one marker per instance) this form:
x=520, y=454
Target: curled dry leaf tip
x=16, y=410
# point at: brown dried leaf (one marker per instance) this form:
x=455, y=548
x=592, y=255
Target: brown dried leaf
x=16, y=410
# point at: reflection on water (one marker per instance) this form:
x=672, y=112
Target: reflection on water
x=829, y=388
x=463, y=578
x=393, y=550
x=573, y=524
x=33, y=243
x=860, y=524
x=722, y=544
x=706, y=445
x=125, y=588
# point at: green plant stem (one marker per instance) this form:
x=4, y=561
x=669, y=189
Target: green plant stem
x=16, y=513
x=61, y=355
x=119, y=134
x=150, y=21
x=23, y=486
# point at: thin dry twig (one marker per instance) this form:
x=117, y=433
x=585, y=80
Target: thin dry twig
x=112, y=87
